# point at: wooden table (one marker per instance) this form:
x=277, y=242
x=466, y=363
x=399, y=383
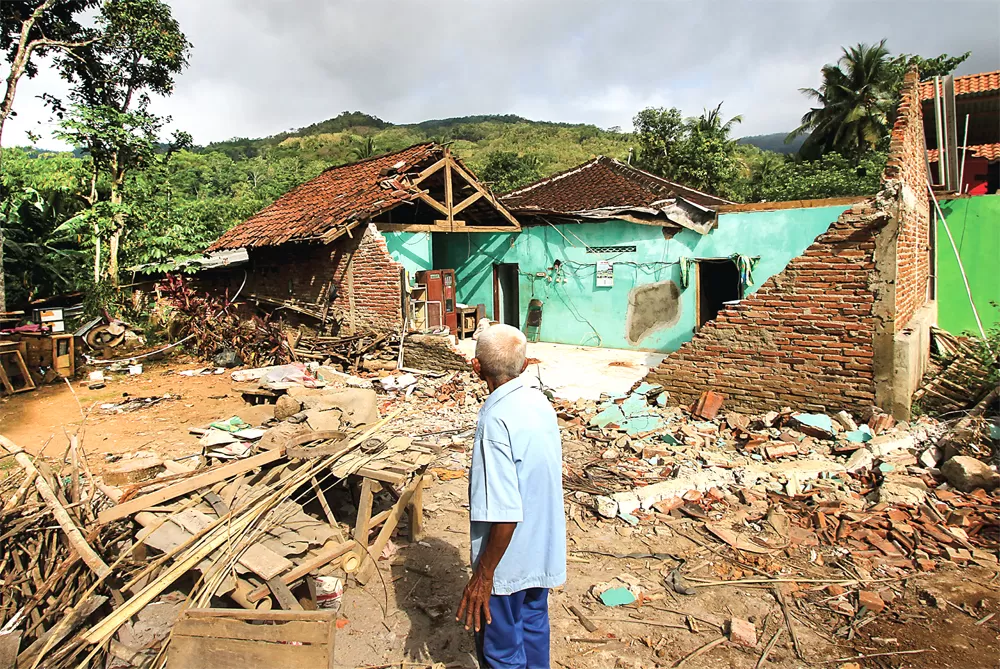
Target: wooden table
x=395, y=467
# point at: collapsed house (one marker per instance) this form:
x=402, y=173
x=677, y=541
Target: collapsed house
x=822, y=304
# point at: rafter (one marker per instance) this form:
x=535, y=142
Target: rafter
x=428, y=172
x=466, y=202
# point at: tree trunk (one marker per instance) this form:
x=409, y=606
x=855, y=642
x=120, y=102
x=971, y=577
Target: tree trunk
x=3, y=284
x=118, y=222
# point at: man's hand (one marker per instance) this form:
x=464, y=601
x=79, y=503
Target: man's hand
x=476, y=600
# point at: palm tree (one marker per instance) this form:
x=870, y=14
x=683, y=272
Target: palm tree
x=855, y=104
x=365, y=149
x=710, y=123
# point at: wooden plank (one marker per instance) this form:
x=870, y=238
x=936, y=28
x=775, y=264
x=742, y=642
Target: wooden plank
x=327, y=555
x=220, y=627
x=367, y=563
x=415, y=512
x=427, y=172
x=197, y=653
x=449, y=196
x=382, y=475
x=794, y=204
x=466, y=202
x=210, y=477
x=432, y=202
x=262, y=616
x=259, y=559
x=364, y=513
x=283, y=595
x=469, y=179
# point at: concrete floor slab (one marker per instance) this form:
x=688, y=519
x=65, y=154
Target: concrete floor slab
x=583, y=372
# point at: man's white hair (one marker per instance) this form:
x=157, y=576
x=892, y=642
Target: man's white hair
x=501, y=350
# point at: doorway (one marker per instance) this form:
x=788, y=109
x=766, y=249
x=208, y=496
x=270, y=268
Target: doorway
x=718, y=283
x=506, y=297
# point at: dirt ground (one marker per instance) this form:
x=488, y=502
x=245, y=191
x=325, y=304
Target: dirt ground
x=407, y=614
x=36, y=420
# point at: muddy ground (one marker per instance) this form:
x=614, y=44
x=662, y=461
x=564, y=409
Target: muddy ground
x=407, y=615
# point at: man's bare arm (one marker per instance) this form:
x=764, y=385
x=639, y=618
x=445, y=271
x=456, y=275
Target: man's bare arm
x=476, y=597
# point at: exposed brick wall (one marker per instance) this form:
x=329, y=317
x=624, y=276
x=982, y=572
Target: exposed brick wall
x=907, y=167
x=432, y=352
x=804, y=340
x=307, y=275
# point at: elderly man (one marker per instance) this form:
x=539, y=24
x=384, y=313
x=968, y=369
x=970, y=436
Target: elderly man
x=516, y=510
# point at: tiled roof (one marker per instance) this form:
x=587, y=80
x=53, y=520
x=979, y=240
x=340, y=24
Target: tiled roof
x=969, y=84
x=602, y=183
x=987, y=151
x=325, y=207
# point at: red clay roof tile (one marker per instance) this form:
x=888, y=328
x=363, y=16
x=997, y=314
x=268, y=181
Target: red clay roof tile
x=330, y=203
x=602, y=182
x=969, y=84
x=987, y=151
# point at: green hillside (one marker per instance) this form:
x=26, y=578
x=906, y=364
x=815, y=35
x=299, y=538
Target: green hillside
x=354, y=135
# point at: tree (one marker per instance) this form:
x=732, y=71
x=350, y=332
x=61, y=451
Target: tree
x=363, y=148
x=855, y=104
x=508, y=170
x=697, y=152
x=858, y=100
x=29, y=28
x=140, y=52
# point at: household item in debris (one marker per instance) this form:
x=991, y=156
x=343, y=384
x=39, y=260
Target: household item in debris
x=52, y=318
x=441, y=287
x=236, y=639
x=533, y=324
x=12, y=363
x=329, y=591
x=105, y=336
x=466, y=319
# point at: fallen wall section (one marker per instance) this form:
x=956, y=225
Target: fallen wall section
x=805, y=339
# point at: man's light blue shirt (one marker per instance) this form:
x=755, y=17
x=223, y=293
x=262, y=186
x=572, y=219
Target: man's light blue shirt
x=516, y=477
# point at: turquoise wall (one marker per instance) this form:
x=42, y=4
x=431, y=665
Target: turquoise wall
x=411, y=249
x=580, y=312
x=975, y=225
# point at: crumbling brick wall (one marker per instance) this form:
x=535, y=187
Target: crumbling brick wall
x=906, y=166
x=432, y=352
x=354, y=282
x=805, y=339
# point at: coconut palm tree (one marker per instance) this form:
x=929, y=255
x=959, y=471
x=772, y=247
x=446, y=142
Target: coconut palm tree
x=855, y=104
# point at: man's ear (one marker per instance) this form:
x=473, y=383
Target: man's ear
x=524, y=366
x=476, y=366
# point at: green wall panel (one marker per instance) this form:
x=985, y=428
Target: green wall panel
x=975, y=227
x=578, y=311
x=411, y=249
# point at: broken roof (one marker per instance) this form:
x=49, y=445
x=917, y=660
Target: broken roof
x=990, y=152
x=966, y=85
x=328, y=206
x=605, y=188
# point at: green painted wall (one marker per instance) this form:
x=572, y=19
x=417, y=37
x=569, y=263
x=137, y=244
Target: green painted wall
x=411, y=249
x=975, y=227
x=580, y=312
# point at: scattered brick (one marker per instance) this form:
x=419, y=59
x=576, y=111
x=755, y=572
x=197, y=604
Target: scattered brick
x=742, y=632
x=870, y=600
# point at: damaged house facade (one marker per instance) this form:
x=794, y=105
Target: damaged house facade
x=821, y=305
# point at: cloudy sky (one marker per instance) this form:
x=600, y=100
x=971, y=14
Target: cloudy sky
x=263, y=66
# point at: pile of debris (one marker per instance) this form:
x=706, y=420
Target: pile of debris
x=253, y=518
x=878, y=488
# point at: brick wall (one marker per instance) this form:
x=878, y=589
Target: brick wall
x=432, y=352
x=907, y=168
x=354, y=271
x=803, y=340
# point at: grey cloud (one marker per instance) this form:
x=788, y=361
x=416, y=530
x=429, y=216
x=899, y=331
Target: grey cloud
x=263, y=66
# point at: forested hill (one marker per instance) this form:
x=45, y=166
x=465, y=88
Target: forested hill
x=774, y=142
x=353, y=135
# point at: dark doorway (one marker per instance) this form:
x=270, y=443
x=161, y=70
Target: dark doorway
x=506, y=298
x=718, y=283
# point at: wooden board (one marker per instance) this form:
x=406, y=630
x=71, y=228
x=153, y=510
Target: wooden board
x=259, y=559
x=190, y=485
x=235, y=639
